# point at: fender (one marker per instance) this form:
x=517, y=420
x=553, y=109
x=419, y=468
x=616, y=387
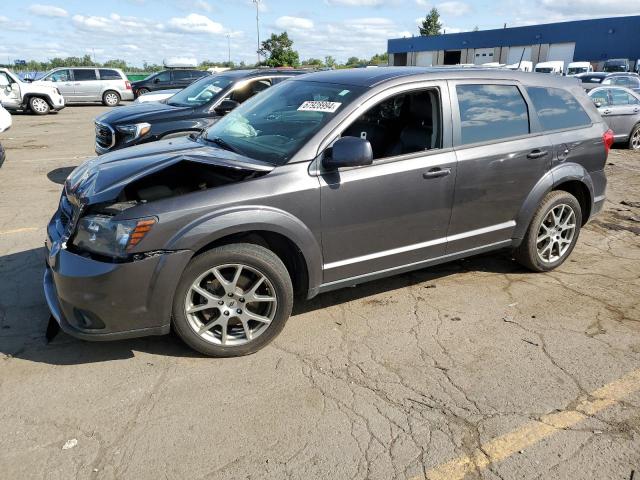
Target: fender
x=245, y=218
x=554, y=177
x=28, y=95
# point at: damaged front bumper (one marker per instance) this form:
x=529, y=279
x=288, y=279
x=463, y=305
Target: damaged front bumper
x=96, y=300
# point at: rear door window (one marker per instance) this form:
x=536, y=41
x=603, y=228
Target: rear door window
x=182, y=75
x=620, y=97
x=491, y=112
x=601, y=97
x=109, y=75
x=557, y=108
x=83, y=75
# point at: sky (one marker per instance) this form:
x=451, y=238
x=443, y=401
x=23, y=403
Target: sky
x=155, y=30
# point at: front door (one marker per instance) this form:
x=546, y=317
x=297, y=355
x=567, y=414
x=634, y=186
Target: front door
x=9, y=92
x=500, y=159
x=63, y=81
x=396, y=211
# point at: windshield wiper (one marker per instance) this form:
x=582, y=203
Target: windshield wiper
x=222, y=143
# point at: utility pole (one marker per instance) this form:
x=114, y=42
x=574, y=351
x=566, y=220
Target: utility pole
x=257, y=2
x=229, y=47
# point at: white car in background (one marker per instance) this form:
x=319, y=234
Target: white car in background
x=556, y=67
x=523, y=66
x=5, y=124
x=576, y=68
x=156, y=96
x=18, y=95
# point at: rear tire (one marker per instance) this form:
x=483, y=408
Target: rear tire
x=634, y=139
x=552, y=233
x=110, y=98
x=232, y=300
x=39, y=106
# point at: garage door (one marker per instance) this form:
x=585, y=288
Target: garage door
x=425, y=59
x=483, y=55
x=561, y=51
x=516, y=52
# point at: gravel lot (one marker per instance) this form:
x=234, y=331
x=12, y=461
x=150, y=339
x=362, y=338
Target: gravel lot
x=475, y=368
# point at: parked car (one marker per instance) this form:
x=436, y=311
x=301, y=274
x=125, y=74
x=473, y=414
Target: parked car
x=89, y=84
x=616, y=65
x=620, y=108
x=574, y=68
x=156, y=96
x=18, y=95
x=167, y=79
x=592, y=79
x=523, y=66
x=5, y=124
x=628, y=80
x=555, y=67
x=328, y=180
x=189, y=111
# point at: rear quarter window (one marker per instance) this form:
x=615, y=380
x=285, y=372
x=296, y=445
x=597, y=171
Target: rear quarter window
x=557, y=108
x=109, y=75
x=491, y=112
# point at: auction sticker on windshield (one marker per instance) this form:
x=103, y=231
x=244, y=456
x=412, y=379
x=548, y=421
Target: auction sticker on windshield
x=315, y=106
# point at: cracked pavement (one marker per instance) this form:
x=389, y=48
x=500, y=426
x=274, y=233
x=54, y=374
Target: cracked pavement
x=391, y=379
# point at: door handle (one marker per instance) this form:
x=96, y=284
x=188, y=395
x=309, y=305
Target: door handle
x=537, y=154
x=606, y=112
x=436, y=173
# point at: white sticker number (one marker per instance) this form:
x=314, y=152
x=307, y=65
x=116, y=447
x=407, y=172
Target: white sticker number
x=315, y=106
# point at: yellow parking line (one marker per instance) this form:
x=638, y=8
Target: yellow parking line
x=532, y=432
x=19, y=230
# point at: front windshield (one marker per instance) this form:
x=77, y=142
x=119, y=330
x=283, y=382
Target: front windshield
x=576, y=70
x=615, y=68
x=274, y=125
x=544, y=70
x=201, y=92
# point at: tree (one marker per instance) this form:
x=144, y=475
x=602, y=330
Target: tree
x=476, y=29
x=379, y=59
x=431, y=24
x=279, y=52
x=330, y=62
x=313, y=62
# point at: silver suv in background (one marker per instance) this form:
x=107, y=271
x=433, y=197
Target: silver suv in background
x=89, y=84
x=620, y=108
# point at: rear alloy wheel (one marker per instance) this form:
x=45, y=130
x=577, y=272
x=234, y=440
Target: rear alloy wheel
x=39, y=106
x=552, y=234
x=232, y=300
x=110, y=98
x=634, y=139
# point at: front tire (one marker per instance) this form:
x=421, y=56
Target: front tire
x=634, y=139
x=232, y=300
x=39, y=106
x=552, y=234
x=110, y=98
x=142, y=91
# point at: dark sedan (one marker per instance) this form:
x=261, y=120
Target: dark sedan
x=191, y=110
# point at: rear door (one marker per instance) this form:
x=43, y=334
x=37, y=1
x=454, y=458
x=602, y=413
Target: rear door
x=501, y=155
x=624, y=110
x=182, y=78
x=87, y=86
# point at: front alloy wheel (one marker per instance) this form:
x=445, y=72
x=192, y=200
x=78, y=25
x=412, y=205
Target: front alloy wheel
x=39, y=106
x=232, y=300
x=231, y=304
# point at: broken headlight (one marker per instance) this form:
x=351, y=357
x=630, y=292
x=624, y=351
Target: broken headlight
x=131, y=132
x=102, y=235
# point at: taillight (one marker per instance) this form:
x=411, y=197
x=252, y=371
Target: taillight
x=607, y=138
x=127, y=84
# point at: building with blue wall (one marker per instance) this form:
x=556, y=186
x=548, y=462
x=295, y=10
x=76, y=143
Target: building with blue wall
x=584, y=40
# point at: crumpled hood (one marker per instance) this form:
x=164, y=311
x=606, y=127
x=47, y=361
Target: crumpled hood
x=140, y=112
x=102, y=178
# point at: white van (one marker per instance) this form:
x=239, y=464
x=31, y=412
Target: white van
x=575, y=68
x=556, y=67
x=523, y=66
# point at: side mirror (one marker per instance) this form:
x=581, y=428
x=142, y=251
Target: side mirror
x=156, y=80
x=226, y=106
x=349, y=152
x=598, y=104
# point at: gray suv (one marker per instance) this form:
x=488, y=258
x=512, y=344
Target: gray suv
x=90, y=84
x=325, y=181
